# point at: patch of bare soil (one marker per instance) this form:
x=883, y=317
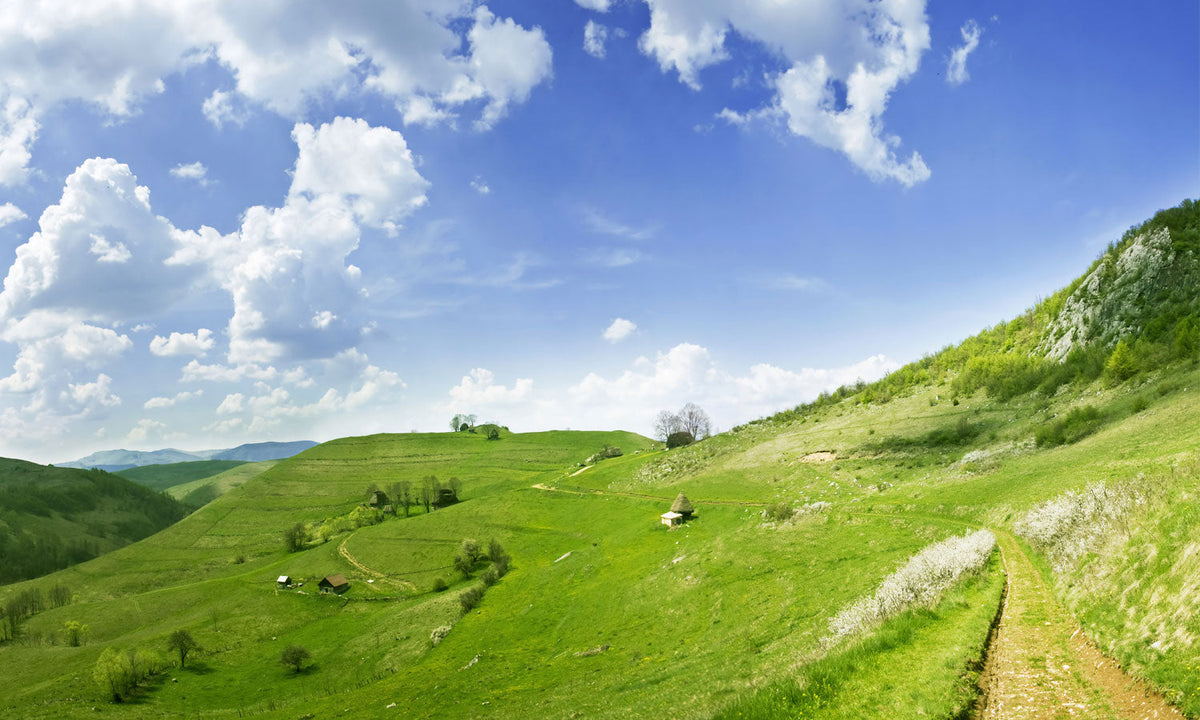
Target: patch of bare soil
x=1040, y=665
x=821, y=456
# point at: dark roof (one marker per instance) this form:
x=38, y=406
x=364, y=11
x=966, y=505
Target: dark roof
x=334, y=581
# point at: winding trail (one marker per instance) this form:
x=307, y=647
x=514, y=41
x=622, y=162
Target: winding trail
x=345, y=553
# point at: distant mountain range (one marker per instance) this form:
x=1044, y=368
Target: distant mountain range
x=116, y=460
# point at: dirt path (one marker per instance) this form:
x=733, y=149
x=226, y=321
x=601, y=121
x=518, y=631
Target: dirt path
x=1040, y=665
x=368, y=571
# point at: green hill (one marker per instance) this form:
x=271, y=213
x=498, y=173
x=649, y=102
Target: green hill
x=54, y=517
x=1086, y=467
x=163, y=477
x=206, y=489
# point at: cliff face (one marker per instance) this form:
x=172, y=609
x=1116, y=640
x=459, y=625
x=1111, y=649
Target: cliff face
x=1116, y=298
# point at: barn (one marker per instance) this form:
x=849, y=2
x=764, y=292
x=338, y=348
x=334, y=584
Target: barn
x=337, y=584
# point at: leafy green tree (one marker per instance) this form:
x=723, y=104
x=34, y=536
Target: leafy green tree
x=295, y=537
x=295, y=657
x=1122, y=363
x=112, y=673
x=182, y=642
x=75, y=632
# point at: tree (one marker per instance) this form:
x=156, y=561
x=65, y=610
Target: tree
x=679, y=439
x=1122, y=364
x=456, y=485
x=665, y=424
x=112, y=674
x=694, y=420
x=462, y=422
x=75, y=632
x=295, y=537
x=430, y=488
x=182, y=642
x=401, y=493
x=295, y=657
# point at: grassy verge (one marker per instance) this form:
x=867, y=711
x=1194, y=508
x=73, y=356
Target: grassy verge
x=923, y=662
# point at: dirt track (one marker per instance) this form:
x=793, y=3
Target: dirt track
x=1040, y=665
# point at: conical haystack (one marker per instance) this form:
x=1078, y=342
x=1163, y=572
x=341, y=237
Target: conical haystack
x=683, y=506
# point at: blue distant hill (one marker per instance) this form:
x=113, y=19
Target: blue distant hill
x=116, y=460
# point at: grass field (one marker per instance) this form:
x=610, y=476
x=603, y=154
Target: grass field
x=605, y=612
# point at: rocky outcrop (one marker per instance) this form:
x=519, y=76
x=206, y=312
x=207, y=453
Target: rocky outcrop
x=1108, y=304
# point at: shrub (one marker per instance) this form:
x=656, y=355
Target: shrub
x=679, y=439
x=1076, y=425
x=439, y=633
x=295, y=537
x=295, y=657
x=440, y=585
x=1074, y=523
x=920, y=581
x=490, y=577
x=470, y=598
x=781, y=511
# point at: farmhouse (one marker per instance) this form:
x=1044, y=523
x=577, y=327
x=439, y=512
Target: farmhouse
x=285, y=581
x=671, y=518
x=334, y=583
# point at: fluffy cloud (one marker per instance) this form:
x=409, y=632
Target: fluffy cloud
x=685, y=373
x=144, y=429
x=286, y=268
x=159, y=403
x=100, y=253
x=845, y=59
x=478, y=389
x=112, y=54
x=198, y=343
x=594, y=37
x=597, y=5
x=619, y=330
x=191, y=171
x=956, y=65
x=10, y=213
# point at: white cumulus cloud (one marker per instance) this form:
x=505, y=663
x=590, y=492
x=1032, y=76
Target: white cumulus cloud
x=160, y=402
x=198, y=343
x=479, y=390
x=845, y=59
x=191, y=171
x=619, y=330
x=956, y=65
x=597, y=5
x=10, y=213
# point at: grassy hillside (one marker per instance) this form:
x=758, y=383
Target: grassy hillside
x=54, y=517
x=163, y=477
x=206, y=489
x=1089, y=465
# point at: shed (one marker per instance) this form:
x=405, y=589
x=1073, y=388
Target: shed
x=683, y=506
x=285, y=581
x=334, y=583
x=378, y=499
x=671, y=518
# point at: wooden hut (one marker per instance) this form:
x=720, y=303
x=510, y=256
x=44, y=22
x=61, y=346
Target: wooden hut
x=378, y=499
x=334, y=583
x=683, y=506
x=285, y=581
x=671, y=518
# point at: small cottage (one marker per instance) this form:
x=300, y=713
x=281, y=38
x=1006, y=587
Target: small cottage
x=671, y=518
x=337, y=584
x=284, y=581
x=683, y=506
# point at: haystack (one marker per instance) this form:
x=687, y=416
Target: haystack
x=683, y=506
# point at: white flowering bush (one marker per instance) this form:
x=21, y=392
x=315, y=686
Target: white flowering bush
x=1075, y=523
x=439, y=633
x=920, y=581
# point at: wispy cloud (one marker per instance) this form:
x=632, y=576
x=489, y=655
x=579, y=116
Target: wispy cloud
x=791, y=281
x=956, y=66
x=598, y=222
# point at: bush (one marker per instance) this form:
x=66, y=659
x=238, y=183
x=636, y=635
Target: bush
x=295, y=538
x=1078, y=424
x=439, y=633
x=920, y=581
x=1075, y=523
x=679, y=439
x=440, y=585
x=490, y=577
x=779, y=512
x=470, y=598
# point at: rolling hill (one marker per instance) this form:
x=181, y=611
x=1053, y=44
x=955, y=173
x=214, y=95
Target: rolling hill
x=1071, y=434
x=118, y=460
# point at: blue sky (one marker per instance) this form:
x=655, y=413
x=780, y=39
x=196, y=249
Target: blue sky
x=228, y=222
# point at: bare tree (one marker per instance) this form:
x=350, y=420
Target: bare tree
x=694, y=420
x=665, y=424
